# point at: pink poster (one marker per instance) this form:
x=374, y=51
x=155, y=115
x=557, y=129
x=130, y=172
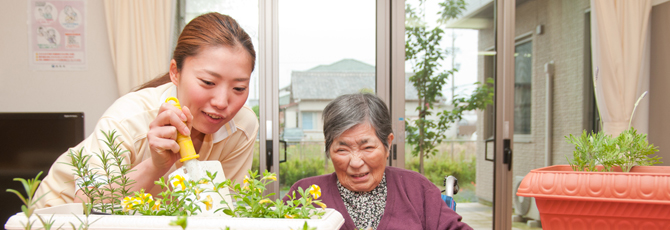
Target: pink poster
x=57, y=33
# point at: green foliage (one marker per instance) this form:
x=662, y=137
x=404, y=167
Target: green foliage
x=84, y=224
x=181, y=221
x=82, y=169
x=251, y=201
x=29, y=201
x=450, y=9
x=256, y=109
x=305, y=227
x=115, y=172
x=104, y=185
x=423, y=50
x=179, y=197
x=367, y=90
x=464, y=169
x=294, y=170
x=635, y=150
x=625, y=151
x=47, y=224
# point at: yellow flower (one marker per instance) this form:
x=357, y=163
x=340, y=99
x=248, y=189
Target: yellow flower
x=246, y=180
x=289, y=216
x=208, y=202
x=271, y=177
x=319, y=203
x=263, y=201
x=197, y=192
x=128, y=203
x=315, y=191
x=145, y=198
x=157, y=205
x=179, y=181
x=203, y=181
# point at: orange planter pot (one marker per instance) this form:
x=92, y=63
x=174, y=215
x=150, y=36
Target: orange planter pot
x=568, y=199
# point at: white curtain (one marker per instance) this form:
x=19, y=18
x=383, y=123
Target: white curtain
x=139, y=37
x=620, y=41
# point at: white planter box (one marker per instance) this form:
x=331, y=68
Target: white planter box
x=63, y=215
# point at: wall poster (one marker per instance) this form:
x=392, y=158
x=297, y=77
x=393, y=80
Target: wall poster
x=57, y=34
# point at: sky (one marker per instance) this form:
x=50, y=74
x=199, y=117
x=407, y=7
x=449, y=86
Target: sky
x=313, y=33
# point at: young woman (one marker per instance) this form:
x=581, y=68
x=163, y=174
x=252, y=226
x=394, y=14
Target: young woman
x=209, y=74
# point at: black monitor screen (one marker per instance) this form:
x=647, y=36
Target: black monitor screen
x=30, y=143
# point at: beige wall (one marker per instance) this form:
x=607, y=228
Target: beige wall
x=23, y=90
x=562, y=42
x=659, y=109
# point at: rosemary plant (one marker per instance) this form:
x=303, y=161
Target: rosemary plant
x=107, y=183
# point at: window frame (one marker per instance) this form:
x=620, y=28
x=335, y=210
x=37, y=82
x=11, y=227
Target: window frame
x=519, y=40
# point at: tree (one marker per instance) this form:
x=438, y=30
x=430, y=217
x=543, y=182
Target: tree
x=422, y=48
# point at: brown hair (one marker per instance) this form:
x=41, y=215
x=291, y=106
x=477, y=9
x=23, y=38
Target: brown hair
x=207, y=30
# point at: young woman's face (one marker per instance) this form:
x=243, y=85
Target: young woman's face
x=213, y=84
x=359, y=158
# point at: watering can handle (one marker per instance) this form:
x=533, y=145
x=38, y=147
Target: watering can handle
x=186, y=149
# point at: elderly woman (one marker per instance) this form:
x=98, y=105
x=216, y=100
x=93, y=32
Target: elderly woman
x=358, y=133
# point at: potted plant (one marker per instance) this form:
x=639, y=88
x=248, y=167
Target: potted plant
x=608, y=184
x=183, y=203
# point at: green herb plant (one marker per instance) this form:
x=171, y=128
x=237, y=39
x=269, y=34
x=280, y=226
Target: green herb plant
x=626, y=150
x=29, y=201
x=251, y=201
x=85, y=223
x=104, y=184
x=180, y=197
x=181, y=221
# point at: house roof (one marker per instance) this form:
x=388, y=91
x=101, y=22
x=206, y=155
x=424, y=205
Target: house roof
x=325, y=82
x=345, y=65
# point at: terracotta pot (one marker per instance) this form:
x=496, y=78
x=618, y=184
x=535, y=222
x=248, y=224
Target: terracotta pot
x=63, y=214
x=566, y=199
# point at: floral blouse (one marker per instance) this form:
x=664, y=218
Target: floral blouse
x=365, y=208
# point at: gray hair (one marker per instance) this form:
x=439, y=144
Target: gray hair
x=349, y=110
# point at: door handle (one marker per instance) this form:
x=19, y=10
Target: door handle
x=507, y=154
x=268, y=155
x=285, y=149
x=486, y=149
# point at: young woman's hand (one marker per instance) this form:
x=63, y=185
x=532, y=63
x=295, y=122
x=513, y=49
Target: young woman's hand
x=163, y=134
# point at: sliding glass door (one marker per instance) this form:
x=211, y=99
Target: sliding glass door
x=309, y=52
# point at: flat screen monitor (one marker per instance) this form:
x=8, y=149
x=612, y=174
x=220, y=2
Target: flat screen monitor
x=30, y=143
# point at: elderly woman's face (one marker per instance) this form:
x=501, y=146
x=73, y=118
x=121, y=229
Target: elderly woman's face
x=359, y=158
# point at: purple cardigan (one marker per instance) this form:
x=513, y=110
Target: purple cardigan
x=412, y=201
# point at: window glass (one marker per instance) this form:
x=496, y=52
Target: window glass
x=308, y=120
x=522, y=87
x=450, y=55
x=326, y=49
x=246, y=14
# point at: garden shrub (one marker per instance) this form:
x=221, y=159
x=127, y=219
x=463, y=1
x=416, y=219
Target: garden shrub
x=436, y=169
